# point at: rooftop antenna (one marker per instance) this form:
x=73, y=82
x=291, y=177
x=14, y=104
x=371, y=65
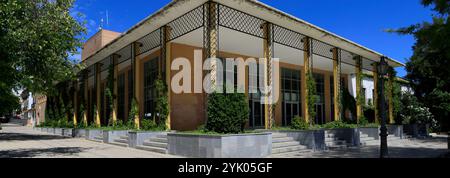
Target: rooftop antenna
x=101, y=24
x=107, y=19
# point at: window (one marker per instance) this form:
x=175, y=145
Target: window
x=150, y=75
x=130, y=89
x=290, y=89
x=121, y=97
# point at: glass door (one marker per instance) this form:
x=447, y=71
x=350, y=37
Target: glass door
x=320, y=104
x=290, y=81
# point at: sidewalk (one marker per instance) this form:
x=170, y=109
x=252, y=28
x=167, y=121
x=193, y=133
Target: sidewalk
x=23, y=142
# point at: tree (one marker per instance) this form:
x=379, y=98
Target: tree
x=429, y=66
x=36, y=40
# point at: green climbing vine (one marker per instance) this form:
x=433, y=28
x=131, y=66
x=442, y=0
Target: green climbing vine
x=162, y=103
x=312, y=96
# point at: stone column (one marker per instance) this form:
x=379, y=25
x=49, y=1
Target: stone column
x=336, y=84
x=136, y=81
x=359, y=95
x=390, y=93
x=375, y=94
x=166, y=57
x=86, y=97
x=268, y=47
x=98, y=81
x=305, y=71
x=75, y=102
x=115, y=58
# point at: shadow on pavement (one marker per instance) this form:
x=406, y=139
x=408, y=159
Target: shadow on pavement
x=25, y=137
x=46, y=152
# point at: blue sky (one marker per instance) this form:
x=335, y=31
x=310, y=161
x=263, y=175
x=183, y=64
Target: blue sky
x=360, y=21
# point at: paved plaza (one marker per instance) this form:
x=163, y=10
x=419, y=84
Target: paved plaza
x=23, y=142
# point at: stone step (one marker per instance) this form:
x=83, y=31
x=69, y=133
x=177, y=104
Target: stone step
x=124, y=137
x=366, y=139
x=288, y=149
x=152, y=149
x=290, y=154
x=119, y=144
x=161, y=136
x=161, y=140
x=277, y=135
x=282, y=139
x=156, y=144
x=285, y=144
x=336, y=143
x=120, y=140
x=330, y=139
x=97, y=140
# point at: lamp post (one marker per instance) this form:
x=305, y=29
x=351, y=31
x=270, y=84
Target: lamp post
x=382, y=70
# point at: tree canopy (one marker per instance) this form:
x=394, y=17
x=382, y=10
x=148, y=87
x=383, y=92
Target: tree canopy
x=429, y=67
x=37, y=37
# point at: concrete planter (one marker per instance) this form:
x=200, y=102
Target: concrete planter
x=396, y=130
x=67, y=132
x=373, y=132
x=350, y=135
x=312, y=139
x=58, y=131
x=225, y=146
x=110, y=135
x=51, y=130
x=137, y=138
x=91, y=134
x=79, y=133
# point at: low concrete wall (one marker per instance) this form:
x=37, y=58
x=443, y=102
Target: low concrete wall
x=371, y=132
x=110, y=135
x=68, y=132
x=350, y=135
x=312, y=139
x=58, y=131
x=51, y=130
x=79, y=133
x=226, y=146
x=137, y=138
x=91, y=134
x=396, y=130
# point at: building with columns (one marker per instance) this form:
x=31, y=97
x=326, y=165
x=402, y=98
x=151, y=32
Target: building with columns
x=221, y=29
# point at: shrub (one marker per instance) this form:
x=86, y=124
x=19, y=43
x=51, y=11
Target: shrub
x=337, y=125
x=227, y=112
x=298, y=123
x=363, y=121
x=147, y=124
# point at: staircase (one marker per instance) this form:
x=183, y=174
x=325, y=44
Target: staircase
x=282, y=145
x=121, y=141
x=98, y=138
x=156, y=144
x=366, y=140
x=332, y=142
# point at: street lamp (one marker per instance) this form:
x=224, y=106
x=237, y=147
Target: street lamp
x=382, y=70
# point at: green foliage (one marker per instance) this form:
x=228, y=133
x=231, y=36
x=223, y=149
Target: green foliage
x=162, y=102
x=312, y=96
x=348, y=102
x=298, y=123
x=414, y=113
x=428, y=67
x=133, y=112
x=338, y=125
x=227, y=112
x=37, y=37
x=363, y=121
